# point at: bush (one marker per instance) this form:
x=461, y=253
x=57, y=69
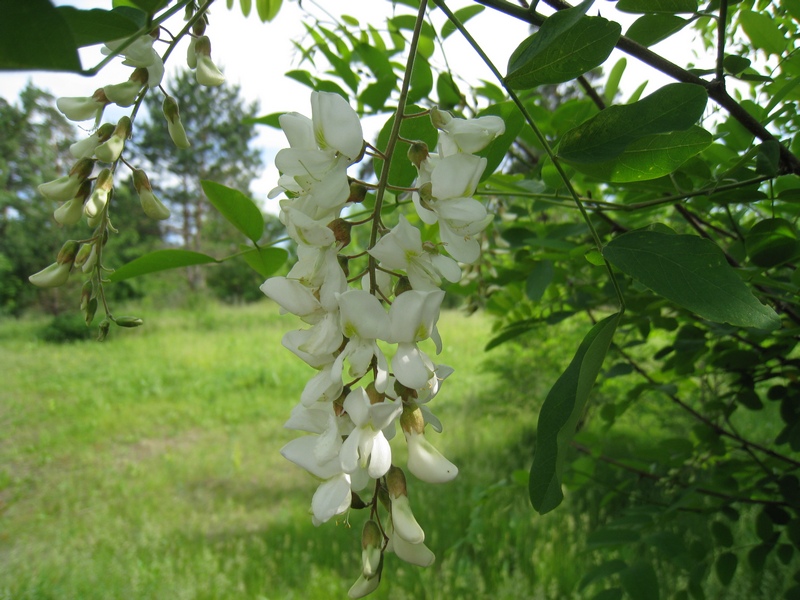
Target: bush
x=63, y=328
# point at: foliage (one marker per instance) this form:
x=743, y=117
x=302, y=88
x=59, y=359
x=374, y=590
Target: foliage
x=663, y=224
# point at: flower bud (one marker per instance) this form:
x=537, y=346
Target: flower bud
x=363, y=586
x=67, y=187
x=128, y=321
x=417, y=153
x=83, y=254
x=415, y=554
x=405, y=525
x=83, y=108
x=341, y=231
x=85, y=148
x=174, y=125
x=403, y=285
x=91, y=260
x=440, y=118
x=151, y=205
x=356, y=503
x=71, y=211
x=89, y=311
x=191, y=54
x=207, y=73
x=110, y=150
x=86, y=294
x=103, y=328
x=102, y=188
x=57, y=274
x=358, y=193
x=371, y=555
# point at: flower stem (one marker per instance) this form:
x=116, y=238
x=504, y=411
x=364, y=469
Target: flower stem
x=383, y=182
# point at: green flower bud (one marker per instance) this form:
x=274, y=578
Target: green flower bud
x=103, y=328
x=128, y=321
x=174, y=126
x=440, y=118
x=371, y=555
x=417, y=153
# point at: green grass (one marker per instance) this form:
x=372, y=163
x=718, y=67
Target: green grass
x=148, y=467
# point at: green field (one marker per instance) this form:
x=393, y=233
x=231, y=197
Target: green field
x=148, y=467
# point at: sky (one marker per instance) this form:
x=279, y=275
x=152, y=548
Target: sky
x=256, y=55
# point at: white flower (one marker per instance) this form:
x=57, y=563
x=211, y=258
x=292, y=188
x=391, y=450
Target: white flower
x=402, y=248
x=416, y=554
x=465, y=135
x=70, y=212
x=207, y=73
x=333, y=496
x=363, y=320
x=85, y=148
x=54, y=275
x=82, y=108
x=123, y=94
x=426, y=462
x=141, y=54
x=366, y=446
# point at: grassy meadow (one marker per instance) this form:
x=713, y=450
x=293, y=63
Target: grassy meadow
x=148, y=466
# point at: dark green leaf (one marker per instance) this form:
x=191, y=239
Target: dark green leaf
x=402, y=172
x=640, y=581
x=538, y=279
x=722, y=534
x=447, y=90
x=560, y=413
x=771, y=242
x=657, y=6
x=421, y=80
x=303, y=77
x=35, y=35
x=160, y=260
x=496, y=151
x=239, y=210
x=567, y=45
x=614, y=77
x=757, y=557
x=266, y=261
x=674, y=107
x=463, y=15
x=692, y=272
x=148, y=6
x=650, y=157
x=97, y=26
x=602, y=571
x=768, y=157
x=735, y=64
x=764, y=527
x=725, y=566
x=651, y=29
x=611, y=536
x=609, y=594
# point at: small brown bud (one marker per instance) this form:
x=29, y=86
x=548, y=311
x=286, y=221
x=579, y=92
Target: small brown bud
x=417, y=153
x=357, y=193
x=412, y=420
x=396, y=482
x=341, y=231
x=402, y=285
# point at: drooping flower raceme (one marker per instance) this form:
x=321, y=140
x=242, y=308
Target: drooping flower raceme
x=369, y=346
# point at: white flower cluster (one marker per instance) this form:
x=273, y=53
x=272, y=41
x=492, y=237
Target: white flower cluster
x=349, y=330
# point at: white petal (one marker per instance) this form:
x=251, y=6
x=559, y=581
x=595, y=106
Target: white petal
x=426, y=462
x=301, y=452
x=362, y=315
x=336, y=124
x=415, y=554
x=405, y=525
x=291, y=295
x=409, y=367
x=331, y=498
x=298, y=130
x=457, y=176
x=380, y=459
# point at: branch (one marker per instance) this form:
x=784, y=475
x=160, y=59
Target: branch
x=789, y=163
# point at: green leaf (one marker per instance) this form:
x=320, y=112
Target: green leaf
x=609, y=594
x=762, y=31
x=614, y=77
x=421, y=80
x=538, y=279
x=148, y=6
x=246, y=5
x=567, y=45
x=496, y=151
x=239, y=210
x=606, y=569
x=96, y=26
x=35, y=35
x=650, y=157
x=771, y=242
x=735, y=64
x=640, y=581
x=463, y=15
x=160, y=260
x=673, y=107
x=651, y=29
x=722, y=534
x=402, y=172
x=611, y=536
x=725, y=566
x=560, y=413
x=272, y=120
x=266, y=261
x=657, y=6
x=447, y=90
x=692, y=272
